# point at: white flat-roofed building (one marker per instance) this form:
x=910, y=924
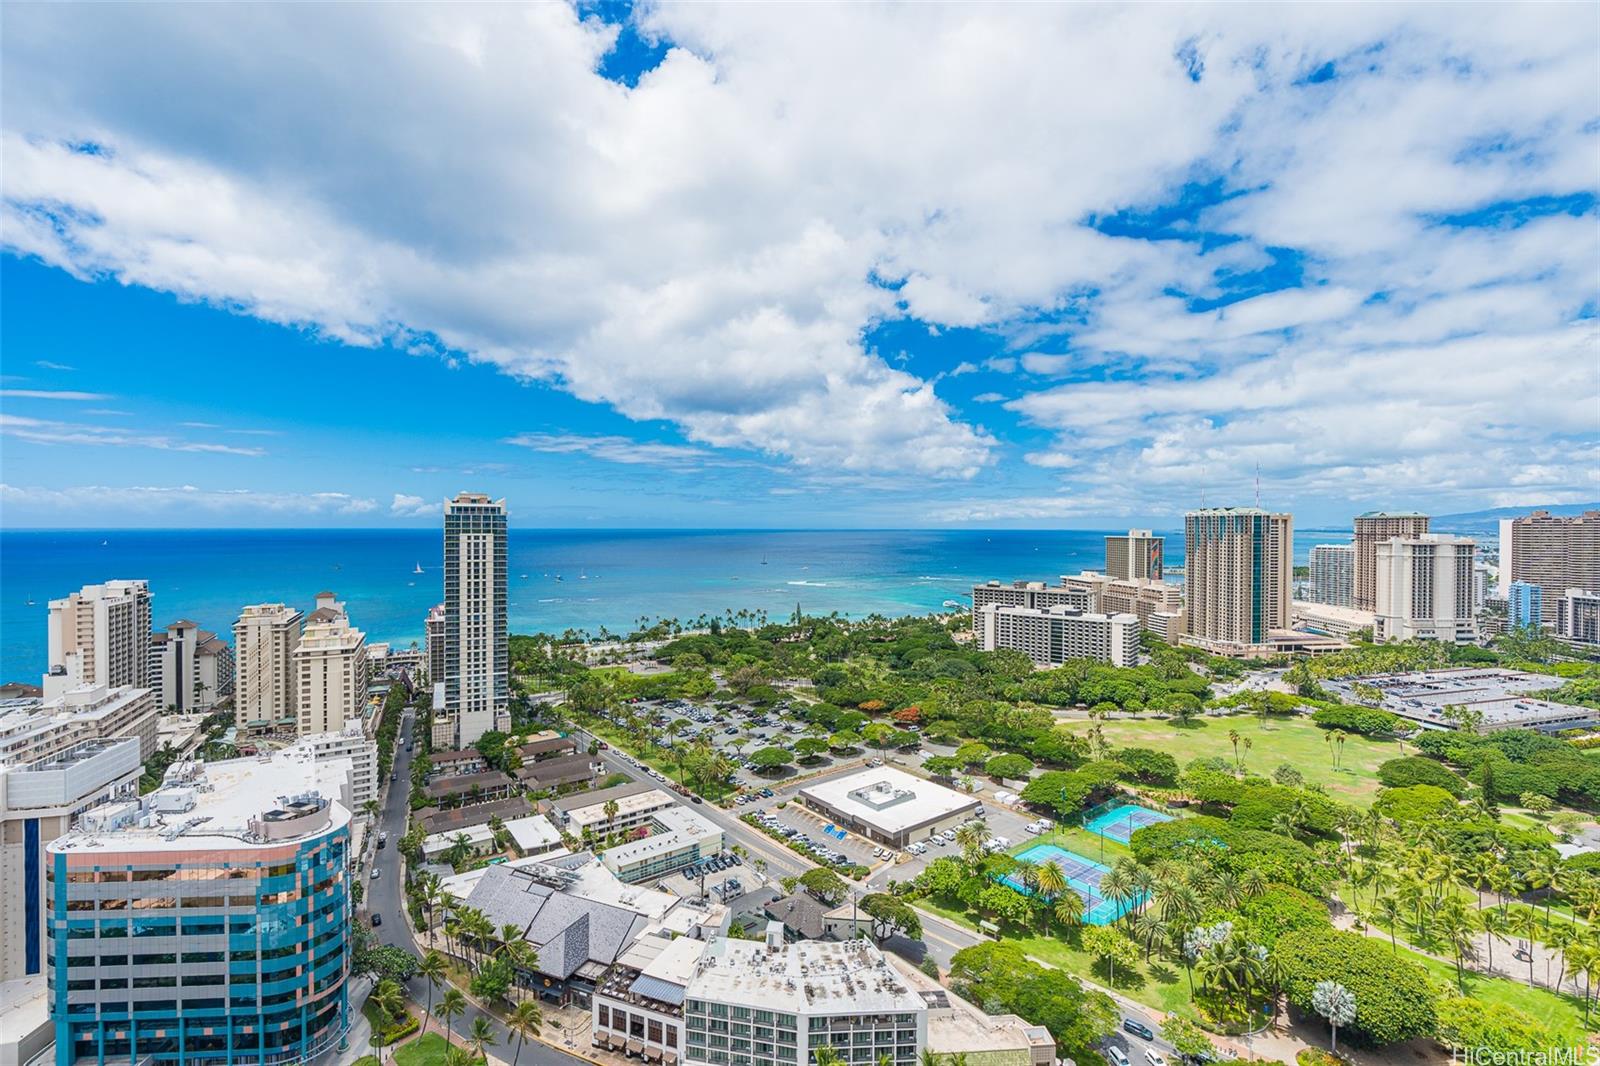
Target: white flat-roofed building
x=265, y=686
x=771, y=1003
x=1330, y=620
x=1051, y=637
x=479, y=840
x=637, y=802
x=1035, y=594
x=38, y=801
x=99, y=635
x=34, y=730
x=678, y=838
x=1503, y=698
x=534, y=835
x=889, y=805
x=1333, y=574
x=638, y=1008
x=350, y=743
x=1143, y=597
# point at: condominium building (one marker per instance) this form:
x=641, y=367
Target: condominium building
x=1135, y=554
x=476, y=694
x=1424, y=589
x=771, y=1003
x=1032, y=594
x=1333, y=574
x=593, y=813
x=1555, y=552
x=207, y=922
x=1238, y=576
x=265, y=686
x=1371, y=529
x=190, y=668
x=350, y=744
x=99, y=635
x=330, y=667
x=678, y=838
x=1051, y=637
x=1142, y=597
x=1578, y=616
x=435, y=640
x=31, y=730
x=1524, y=605
x=38, y=801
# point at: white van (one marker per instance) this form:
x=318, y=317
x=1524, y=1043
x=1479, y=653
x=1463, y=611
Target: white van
x=1116, y=1057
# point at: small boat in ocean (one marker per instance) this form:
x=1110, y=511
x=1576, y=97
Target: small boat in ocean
x=763, y=558
x=30, y=601
x=104, y=543
x=418, y=570
x=954, y=603
x=558, y=577
x=523, y=576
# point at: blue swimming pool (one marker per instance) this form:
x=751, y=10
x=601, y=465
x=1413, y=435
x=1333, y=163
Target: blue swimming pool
x=1083, y=877
x=1119, y=823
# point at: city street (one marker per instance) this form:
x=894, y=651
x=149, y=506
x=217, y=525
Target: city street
x=386, y=896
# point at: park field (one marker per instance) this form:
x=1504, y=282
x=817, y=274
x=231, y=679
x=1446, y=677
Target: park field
x=1295, y=741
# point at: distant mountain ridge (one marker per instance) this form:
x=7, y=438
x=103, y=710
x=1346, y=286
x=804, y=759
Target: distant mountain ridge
x=1489, y=519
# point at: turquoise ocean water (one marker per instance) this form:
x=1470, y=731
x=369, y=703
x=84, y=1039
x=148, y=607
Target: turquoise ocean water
x=607, y=578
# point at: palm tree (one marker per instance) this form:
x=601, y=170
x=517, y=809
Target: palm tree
x=526, y=1020
x=1067, y=909
x=1050, y=878
x=1525, y=923
x=1389, y=910
x=1335, y=1003
x=1455, y=925
x=451, y=1007
x=391, y=1002
x=826, y=1055
x=1494, y=924
x=1234, y=738
x=481, y=1038
x=431, y=969
x=1149, y=927
x=1545, y=872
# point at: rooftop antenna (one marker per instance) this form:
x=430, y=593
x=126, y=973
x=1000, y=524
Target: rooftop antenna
x=1258, y=484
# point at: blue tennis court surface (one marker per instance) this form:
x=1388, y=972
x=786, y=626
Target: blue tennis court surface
x=1120, y=822
x=1083, y=877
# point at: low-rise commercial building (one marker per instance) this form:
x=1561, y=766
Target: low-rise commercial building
x=888, y=805
x=205, y=922
x=433, y=820
x=587, y=812
x=32, y=729
x=351, y=743
x=1051, y=637
x=678, y=838
x=466, y=789
x=1493, y=697
x=1330, y=620
x=560, y=772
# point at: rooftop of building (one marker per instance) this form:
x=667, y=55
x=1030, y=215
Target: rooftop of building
x=437, y=821
x=568, y=928
x=465, y=784
x=889, y=799
x=256, y=802
x=799, y=911
x=601, y=796
x=805, y=977
x=1353, y=615
x=675, y=827
x=1392, y=514
x=559, y=769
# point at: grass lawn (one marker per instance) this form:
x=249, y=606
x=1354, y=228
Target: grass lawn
x=1562, y=1013
x=1282, y=740
x=425, y=1050
x=1160, y=985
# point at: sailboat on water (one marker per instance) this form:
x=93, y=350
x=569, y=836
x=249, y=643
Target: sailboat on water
x=418, y=570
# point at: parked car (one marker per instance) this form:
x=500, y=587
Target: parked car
x=1116, y=1055
x=377, y=920
x=1154, y=1057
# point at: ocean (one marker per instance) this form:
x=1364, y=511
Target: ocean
x=606, y=577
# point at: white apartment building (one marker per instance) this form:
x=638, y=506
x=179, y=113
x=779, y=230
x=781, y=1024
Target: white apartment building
x=1424, y=589
x=637, y=804
x=330, y=667
x=1238, y=577
x=190, y=668
x=350, y=743
x=1578, y=616
x=1135, y=555
x=99, y=635
x=476, y=693
x=34, y=730
x=1555, y=552
x=265, y=688
x=38, y=801
x=678, y=837
x=1034, y=594
x=768, y=1003
x=1333, y=574
x=1051, y=637
x=1142, y=597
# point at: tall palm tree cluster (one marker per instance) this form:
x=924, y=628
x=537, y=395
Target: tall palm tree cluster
x=1462, y=904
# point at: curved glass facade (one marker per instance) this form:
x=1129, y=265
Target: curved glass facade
x=199, y=957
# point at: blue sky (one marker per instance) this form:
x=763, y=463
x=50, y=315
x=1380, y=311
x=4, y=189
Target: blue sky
x=767, y=266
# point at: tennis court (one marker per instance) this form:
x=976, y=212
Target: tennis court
x=1119, y=823
x=1083, y=877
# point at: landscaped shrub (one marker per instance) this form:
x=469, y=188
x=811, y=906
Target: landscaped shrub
x=1416, y=770
x=1395, y=1000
